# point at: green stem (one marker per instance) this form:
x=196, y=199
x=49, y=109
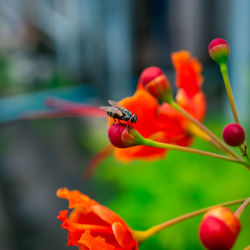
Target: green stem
x=240, y=210
x=217, y=142
x=151, y=143
x=141, y=236
x=224, y=72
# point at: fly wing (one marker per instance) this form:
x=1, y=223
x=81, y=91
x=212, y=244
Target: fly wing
x=115, y=104
x=112, y=110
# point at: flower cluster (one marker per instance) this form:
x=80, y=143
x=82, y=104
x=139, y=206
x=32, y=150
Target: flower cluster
x=163, y=122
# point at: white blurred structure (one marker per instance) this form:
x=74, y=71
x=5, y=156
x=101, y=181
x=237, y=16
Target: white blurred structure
x=239, y=38
x=98, y=39
x=88, y=37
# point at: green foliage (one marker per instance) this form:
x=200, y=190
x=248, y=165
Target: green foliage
x=149, y=193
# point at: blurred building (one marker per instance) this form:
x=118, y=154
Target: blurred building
x=108, y=43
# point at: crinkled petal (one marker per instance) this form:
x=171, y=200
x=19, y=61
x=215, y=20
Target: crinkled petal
x=88, y=242
x=74, y=233
x=63, y=217
x=75, y=230
x=76, y=199
x=89, y=221
x=188, y=72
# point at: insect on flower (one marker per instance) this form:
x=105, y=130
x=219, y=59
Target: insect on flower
x=117, y=111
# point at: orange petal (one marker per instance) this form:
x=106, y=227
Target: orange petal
x=139, y=152
x=188, y=72
x=196, y=105
x=89, y=221
x=63, y=217
x=170, y=121
x=88, y=242
x=74, y=233
x=106, y=214
x=123, y=235
x=76, y=199
x=82, y=204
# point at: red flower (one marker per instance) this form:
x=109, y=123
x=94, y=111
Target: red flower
x=158, y=122
x=161, y=122
x=93, y=226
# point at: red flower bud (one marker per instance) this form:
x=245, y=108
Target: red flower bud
x=233, y=134
x=218, y=50
x=123, y=136
x=156, y=83
x=219, y=228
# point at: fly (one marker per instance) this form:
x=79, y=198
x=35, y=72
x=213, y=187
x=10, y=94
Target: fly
x=117, y=111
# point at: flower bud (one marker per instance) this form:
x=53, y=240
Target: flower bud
x=124, y=136
x=218, y=50
x=233, y=134
x=219, y=228
x=156, y=83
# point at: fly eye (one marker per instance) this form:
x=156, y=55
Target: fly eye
x=133, y=119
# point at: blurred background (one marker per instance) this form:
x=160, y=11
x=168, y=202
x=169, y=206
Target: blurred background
x=91, y=51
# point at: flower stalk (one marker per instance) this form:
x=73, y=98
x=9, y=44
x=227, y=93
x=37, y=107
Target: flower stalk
x=243, y=206
x=141, y=236
x=219, y=51
x=214, y=139
x=151, y=143
x=122, y=136
x=224, y=72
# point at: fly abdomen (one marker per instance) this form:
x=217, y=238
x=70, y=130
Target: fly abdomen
x=113, y=115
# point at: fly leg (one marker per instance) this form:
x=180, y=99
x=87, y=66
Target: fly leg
x=119, y=126
x=114, y=121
